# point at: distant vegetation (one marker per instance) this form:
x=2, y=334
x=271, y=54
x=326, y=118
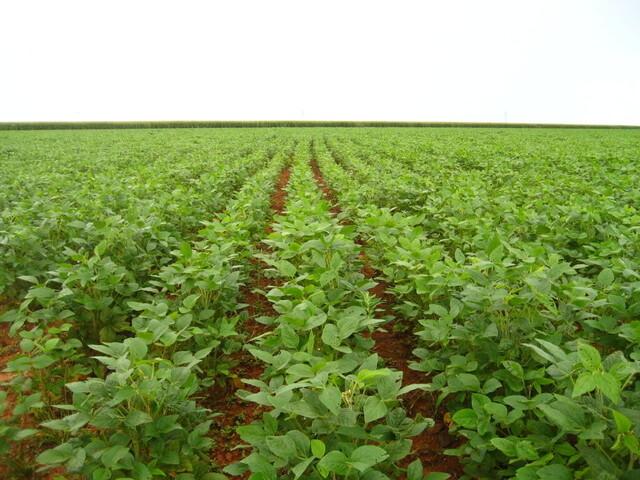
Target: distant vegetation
x=276, y=123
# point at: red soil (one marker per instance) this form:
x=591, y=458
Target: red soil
x=279, y=197
x=232, y=411
x=327, y=192
x=8, y=350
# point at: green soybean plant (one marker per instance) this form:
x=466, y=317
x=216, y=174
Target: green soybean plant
x=141, y=421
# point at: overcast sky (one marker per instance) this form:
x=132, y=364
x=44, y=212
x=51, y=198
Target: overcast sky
x=575, y=61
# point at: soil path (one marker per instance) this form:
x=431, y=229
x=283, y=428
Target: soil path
x=222, y=400
x=395, y=344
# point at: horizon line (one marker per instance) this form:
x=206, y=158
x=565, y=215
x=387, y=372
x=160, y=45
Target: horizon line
x=107, y=124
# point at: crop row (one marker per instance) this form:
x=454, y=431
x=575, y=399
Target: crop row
x=140, y=201
x=530, y=341
x=126, y=407
x=334, y=410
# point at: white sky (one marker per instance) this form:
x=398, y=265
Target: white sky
x=575, y=61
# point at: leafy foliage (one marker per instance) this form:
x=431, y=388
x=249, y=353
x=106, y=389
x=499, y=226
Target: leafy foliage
x=511, y=253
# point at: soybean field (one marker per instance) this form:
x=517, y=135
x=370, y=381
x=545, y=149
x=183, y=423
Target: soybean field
x=320, y=303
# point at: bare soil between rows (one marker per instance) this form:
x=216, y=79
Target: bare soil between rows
x=395, y=345
x=230, y=410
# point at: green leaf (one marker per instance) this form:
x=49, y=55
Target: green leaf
x=608, y=385
x=333, y=462
x=286, y=268
x=113, y=455
x=437, y=476
x=331, y=398
x=101, y=474
x=605, y=278
x=466, y=418
x=415, y=471
x=623, y=424
x=190, y=301
x=142, y=472
x=282, y=447
x=367, y=456
x=281, y=360
x=76, y=462
x=29, y=279
x=584, y=384
x=559, y=418
x=301, y=467
x=57, y=455
x=525, y=450
x=318, y=448
x=139, y=306
x=330, y=335
x=555, y=472
x=514, y=368
x=374, y=408
x=185, y=250
x=42, y=361
x=589, y=356
x=506, y=446
x=136, y=418
x=137, y=347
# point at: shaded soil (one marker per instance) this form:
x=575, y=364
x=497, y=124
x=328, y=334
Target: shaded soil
x=396, y=347
x=279, y=197
x=8, y=349
x=232, y=411
x=20, y=461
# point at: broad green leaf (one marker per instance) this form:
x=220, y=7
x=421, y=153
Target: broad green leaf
x=333, y=462
x=608, y=385
x=437, y=476
x=101, y=474
x=605, y=278
x=281, y=446
x=466, y=418
x=137, y=347
x=318, y=448
x=330, y=335
x=331, y=398
x=415, y=471
x=367, y=456
x=374, y=408
x=136, y=418
x=514, y=368
x=555, y=472
x=112, y=456
x=506, y=446
x=584, y=384
x=299, y=469
x=589, y=356
x=190, y=301
x=57, y=455
x=559, y=418
x=287, y=269
x=623, y=424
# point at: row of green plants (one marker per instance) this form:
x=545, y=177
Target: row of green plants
x=532, y=345
x=574, y=192
x=333, y=409
x=110, y=373
x=138, y=194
